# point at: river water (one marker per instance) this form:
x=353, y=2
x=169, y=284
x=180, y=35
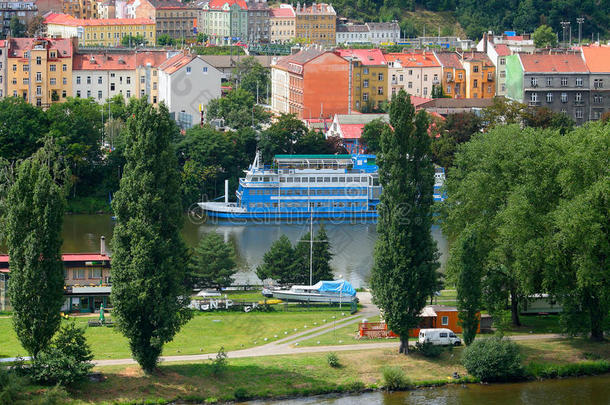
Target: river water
x=352, y=244
x=569, y=391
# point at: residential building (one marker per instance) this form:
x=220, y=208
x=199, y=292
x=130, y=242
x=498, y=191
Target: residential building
x=224, y=21
x=349, y=128
x=597, y=60
x=559, y=82
x=186, y=84
x=438, y=41
x=103, y=75
x=316, y=24
x=352, y=34
x=3, y=68
x=516, y=43
x=100, y=32
x=38, y=69
x=80, y=8
x=24, y=10
x=311, y=83
x=258, y=21
x=415, y=72
x=369, y=78
x=497, y=53
x=282, y=24
x=49, y=6
x=383, y=33
x=480, y=75
x=454, y=74
x=448, y=106
x=172, y=17
x=106, y=9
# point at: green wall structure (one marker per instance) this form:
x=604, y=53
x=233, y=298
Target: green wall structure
x=514, y=78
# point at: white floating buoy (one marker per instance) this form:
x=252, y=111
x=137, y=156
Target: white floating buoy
x=315, y=323
x=304, y=326
x=323, y=320
x=296, y=344
x=341, y=341
x=275, y=336
x=295, y=329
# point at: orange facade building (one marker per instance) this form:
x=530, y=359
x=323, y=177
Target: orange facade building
x=310, y=84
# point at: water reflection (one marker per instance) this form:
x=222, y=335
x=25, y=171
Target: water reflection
x=352, y=244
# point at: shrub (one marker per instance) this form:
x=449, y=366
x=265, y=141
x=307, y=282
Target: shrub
x=66, y=361
x=493, y=359
x=10, y=386
x=241, y=394
x=333, y=360
x=54, y=396
x=428, y=349
x=219, y=364
x=538, y=370
x=394, y=379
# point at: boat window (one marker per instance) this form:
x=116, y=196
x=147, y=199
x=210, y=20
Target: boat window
x=327, y=179
x=265, y=179
x=341, y=179
x=326, y=192
x=320, y=179
x=283, y=179
x=290, y=179
x=251, y=205
x=312, y=179
x=297, y=180
x=274, y=205
x=304, y=180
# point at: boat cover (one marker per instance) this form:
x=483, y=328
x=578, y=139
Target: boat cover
x=338, y=286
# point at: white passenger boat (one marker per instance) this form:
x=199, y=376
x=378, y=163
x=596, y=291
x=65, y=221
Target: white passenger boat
x=331, y=292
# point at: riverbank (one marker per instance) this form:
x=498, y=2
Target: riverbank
x=275, y=377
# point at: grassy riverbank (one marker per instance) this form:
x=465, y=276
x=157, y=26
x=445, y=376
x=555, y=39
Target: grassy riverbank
x=306, y=374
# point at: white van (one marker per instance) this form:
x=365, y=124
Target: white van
x=439, y=336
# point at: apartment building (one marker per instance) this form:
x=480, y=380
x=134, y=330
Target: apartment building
x=383, y=33
x=480, y=75
x=23, y=10
x=282, y=24
x=597, y=60
x=100, y=32
x=258, y=21
x=560, y=82
x=2, y=68
x=187, y=83
x=415, y=72
x=310, y=84
x=369, y=78
x=453, y=74
x=172, y=17
x=497, y=53
x=224, y=21
x=316, y=24
x=106, y=9
x=80, y=8
x=38, y=69
x=352, y=34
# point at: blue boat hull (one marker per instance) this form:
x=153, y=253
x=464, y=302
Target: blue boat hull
x=293, y=216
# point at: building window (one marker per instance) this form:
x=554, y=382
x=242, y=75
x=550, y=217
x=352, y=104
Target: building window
x=64, y=67
x=534, y=97
x=549, y=97
x=502, y=61
x=598, y=83
x=564, y=82
x=143, y=78
x=380, y=91
x=15, y=68
x=448, y=89
x=77, y=79
x=564, y=97
x=63, y=94
x=460, y=75
x=38, y=60
x=64, y=80
x=38, y=77
x=578, y=97
x=365, y=71
x=95, y=273
x=534, y=81
x=78, y=274
x=78, y=93
x=99, y=95
x=444, y=321
x=53, y=81
x=579, y=82
x=88, y=79
x=111, y=86
x=88, y=93
x=365, y=96
x=205, y=69
x=188, y=70
x=549, y=81
x=155, y=100
x=112, y=74
x=425, y=78
x=53, y=68
x=475, y=83
x=425, y=91
x=578, y=113
x=128, y=93
x=128, y=80
x=99, y=80
x=475, y=69
x=380, y=77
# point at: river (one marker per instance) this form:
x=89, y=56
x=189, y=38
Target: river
x=352, y=244
x=568, y=391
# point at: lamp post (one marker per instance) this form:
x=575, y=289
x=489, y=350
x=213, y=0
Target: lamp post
x=580, y=21
x=564, y=25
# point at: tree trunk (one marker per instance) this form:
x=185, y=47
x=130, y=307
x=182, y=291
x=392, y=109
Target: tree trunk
x=514, y=308
x=404, y=345
x=597, y=331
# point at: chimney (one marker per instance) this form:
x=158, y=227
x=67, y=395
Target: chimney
x=102, y=245
x=485, y=43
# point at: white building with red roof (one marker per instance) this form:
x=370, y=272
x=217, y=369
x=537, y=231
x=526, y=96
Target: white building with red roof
x=416, y=72
x=187, y=83
x=349, y=128
x=282, y=24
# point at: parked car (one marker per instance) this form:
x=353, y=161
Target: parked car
x=439, y=336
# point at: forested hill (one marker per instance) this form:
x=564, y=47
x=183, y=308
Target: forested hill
x=477, y=16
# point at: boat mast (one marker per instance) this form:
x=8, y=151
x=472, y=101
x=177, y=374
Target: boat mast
x=311, y=247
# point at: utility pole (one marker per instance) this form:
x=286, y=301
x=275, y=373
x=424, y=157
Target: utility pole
x=580, y=21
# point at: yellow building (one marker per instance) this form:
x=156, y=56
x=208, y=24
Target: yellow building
x=480, y=75
x=80, y=8
x=39, y=69
x=369, y=72
x=316, y=24
x=100, y=32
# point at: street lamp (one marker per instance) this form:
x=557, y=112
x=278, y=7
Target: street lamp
x=564, y=25
x=580, y=21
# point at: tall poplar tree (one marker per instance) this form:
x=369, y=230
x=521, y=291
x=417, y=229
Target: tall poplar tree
x=149, y=257
x=406, y=258
x=35, y=207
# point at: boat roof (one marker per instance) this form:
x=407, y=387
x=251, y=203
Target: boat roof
x=277, y=157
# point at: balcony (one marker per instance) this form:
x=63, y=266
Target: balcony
x=534, y=103
x=579, y=103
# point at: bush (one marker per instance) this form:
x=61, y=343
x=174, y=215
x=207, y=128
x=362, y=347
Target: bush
x=394, y=379
x=241, y=394
x=493, y=359
x=333, y=360
x=10, y=386
x=55, y=396
x=219, y=364
x=427, y=349
x=66, y=361
x=538, y=370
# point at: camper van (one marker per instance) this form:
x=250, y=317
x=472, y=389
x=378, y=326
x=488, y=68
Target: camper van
x=439, y=336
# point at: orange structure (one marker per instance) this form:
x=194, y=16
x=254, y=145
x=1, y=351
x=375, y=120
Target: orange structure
x=310, y=84
x=432, y=316
x=480, y=75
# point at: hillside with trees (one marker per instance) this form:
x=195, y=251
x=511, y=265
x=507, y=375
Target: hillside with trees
x=478, y=16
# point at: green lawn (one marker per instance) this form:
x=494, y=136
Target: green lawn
x=345, y=335
x=536, y=324
x=205, y=333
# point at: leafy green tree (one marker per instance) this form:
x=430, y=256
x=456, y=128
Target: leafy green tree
x=544, y=37
x=457, y=129
x=36, y=27
x=22, y=127
x=150, y=258
x=17, y=28
x=213, y=263
x=466, y=267
x=253, y=77
x=282, y=136
x=321, y=255
x=34, y=217
x=278, y=262
x=542, y=117
x=165, y=39
x=406, y=259
x=201, y=38
x=371, y=135
x=238, y=109
x=133, y=40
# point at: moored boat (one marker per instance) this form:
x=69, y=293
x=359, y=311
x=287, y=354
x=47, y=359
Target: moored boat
x=330, y=292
